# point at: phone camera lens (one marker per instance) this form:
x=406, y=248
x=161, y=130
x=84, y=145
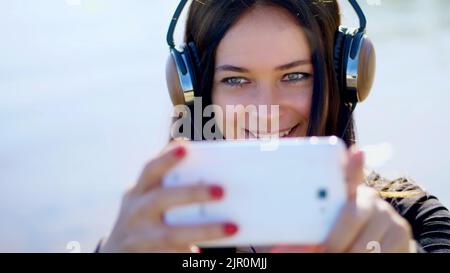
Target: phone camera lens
x=322, y=194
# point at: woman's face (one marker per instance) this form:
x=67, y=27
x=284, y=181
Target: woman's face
x=264, y=59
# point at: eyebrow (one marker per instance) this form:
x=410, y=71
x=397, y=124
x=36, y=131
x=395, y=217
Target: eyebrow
x=233, y=68
x=293, y=64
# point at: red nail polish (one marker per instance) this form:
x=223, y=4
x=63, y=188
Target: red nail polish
x=216, y=192
x=180, y=152
x=230, y=228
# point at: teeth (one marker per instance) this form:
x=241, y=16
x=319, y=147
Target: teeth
x=268, y=135
x=279, y=134
x=285, y=133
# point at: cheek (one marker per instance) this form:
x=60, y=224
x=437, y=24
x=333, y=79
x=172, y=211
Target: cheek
x=225, y=97
x=303, y=108
x=301, y=104
x=298, y=108
x=220, y=100
x=297, y=103
x=229, y=116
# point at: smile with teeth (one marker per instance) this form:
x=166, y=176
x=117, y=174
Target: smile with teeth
x=271, y=135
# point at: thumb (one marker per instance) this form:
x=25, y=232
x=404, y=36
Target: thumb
x=354, y=171
x=297, y=249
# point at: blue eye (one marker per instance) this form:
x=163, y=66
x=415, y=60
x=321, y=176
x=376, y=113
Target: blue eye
x=235, y=81
x=295, y=77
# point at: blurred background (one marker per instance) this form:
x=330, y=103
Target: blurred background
x=83, y=105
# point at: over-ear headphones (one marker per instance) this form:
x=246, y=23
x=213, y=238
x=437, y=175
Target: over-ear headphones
x=182, y=65
x=354, y=61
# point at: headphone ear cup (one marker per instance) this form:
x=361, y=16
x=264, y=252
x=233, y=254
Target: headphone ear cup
x=174, y=67
x=195, y=57
x=341, y=56
x=358, y=48
x=338, y=43
x=366, y=68
x=192, y=63
x=181, y=76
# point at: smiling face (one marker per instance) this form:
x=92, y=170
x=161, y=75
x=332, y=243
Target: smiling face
x=264, y=59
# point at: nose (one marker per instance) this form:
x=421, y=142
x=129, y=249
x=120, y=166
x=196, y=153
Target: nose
x=268, y=105
x=267, y=94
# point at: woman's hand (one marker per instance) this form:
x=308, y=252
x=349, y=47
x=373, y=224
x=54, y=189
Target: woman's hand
x=140, y=226
x=367, y=223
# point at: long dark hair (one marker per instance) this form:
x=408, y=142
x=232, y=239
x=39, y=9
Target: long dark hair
x=209, y=20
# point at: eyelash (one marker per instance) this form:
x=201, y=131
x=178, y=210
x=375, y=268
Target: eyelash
x=304, y=76
x=226, y=81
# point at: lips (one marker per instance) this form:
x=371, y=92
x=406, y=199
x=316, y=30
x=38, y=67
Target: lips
x=282, y=133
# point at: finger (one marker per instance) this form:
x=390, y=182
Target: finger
x=175, y=142
x=297, y=249
x=194, y=249
x=375, y=229
x=354, y=171
x=150, y=242
x=183, y=249
x=155, y=170
x=188, y=235
x=166, y=249
x=398, y=237
x=158, y=201
x=352, y=219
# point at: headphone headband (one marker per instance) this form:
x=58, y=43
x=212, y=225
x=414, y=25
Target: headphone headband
x=174, y=22
x=361, y=16
x=182, y=4
x=354, y=60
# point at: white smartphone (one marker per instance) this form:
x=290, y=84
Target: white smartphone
x=289, y=194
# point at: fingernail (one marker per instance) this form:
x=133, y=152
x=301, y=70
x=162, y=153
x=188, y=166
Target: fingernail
x=195, y=249
x=216, y=192
x=230, y=228
x=179, y=152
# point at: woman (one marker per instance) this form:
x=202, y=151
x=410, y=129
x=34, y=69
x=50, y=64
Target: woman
x=277, y=52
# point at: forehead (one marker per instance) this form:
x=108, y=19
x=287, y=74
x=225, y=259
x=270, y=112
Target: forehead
x=265, y=35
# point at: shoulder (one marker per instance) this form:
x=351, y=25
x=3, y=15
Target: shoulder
x=390, y=189
x=403, y=193
x=428, y=217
